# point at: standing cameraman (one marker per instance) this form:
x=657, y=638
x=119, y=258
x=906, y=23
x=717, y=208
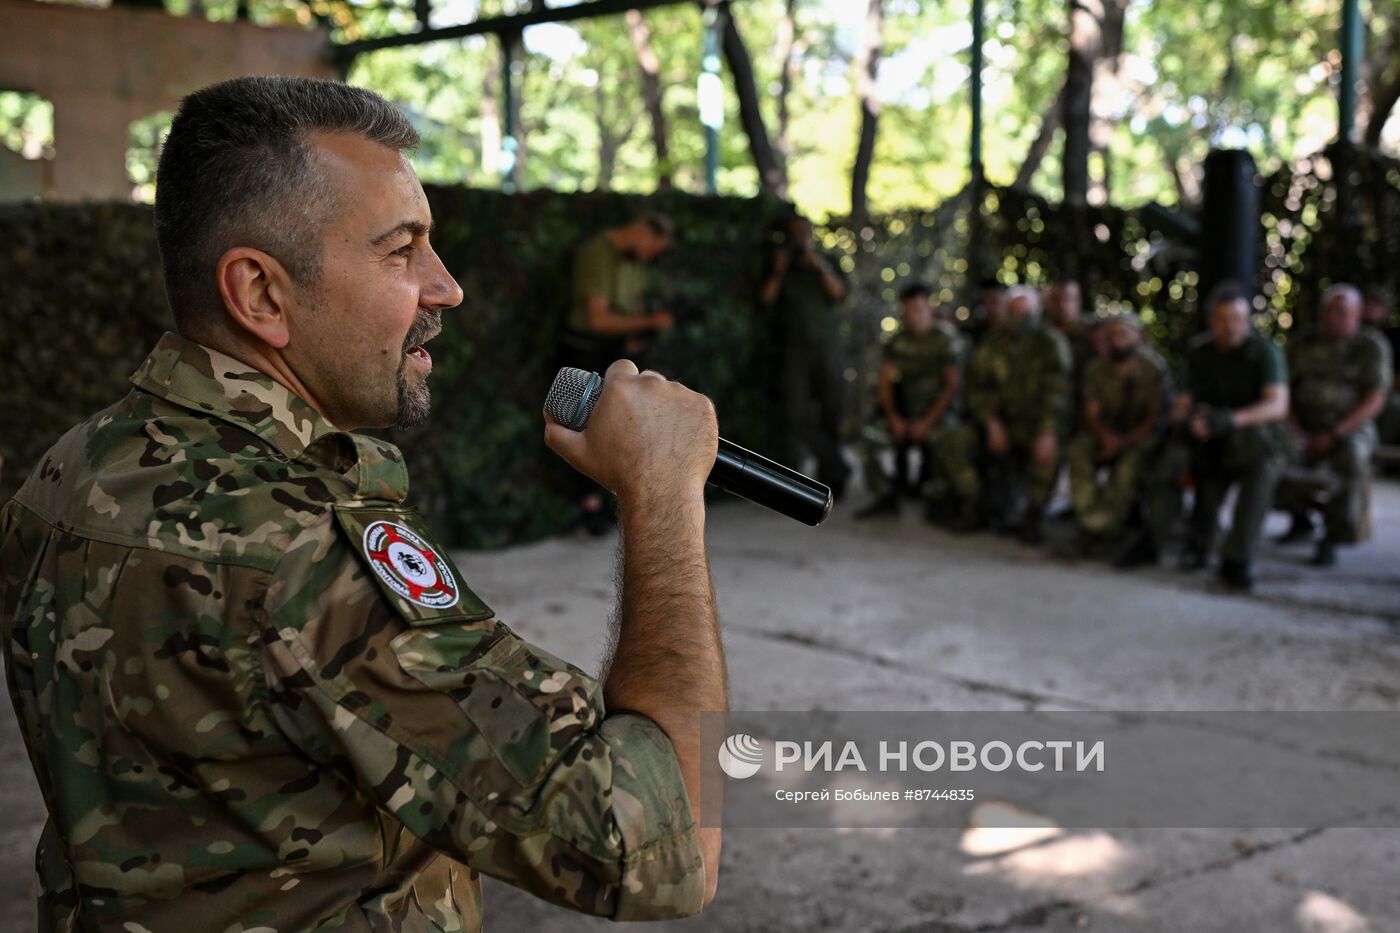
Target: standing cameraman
x=805, y=288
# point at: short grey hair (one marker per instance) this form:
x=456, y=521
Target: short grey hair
x=1351, y=293
x=238, y=169
x=1024, y=291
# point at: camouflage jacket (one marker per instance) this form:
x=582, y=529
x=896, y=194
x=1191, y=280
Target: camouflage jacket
x=1128, y=392
x=257, y=697
x=920, y=362
x=1329, y=378
x=1021, y=376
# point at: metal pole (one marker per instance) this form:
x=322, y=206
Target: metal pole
x=509, y=143
x=977, y=37
x=711, y=98
x=1351, y=66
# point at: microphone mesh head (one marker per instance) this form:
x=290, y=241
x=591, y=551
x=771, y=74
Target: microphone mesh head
x=571, y=387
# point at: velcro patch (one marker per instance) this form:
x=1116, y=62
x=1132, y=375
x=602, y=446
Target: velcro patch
x=415, y=574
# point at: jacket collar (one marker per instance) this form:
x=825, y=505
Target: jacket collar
x=216, y=385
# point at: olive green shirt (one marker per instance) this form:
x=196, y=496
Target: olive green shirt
x=807, y=315
x=920, y=363
x=257, y=696
x=1330, y=377
x=1235, y=377
x=601, y=271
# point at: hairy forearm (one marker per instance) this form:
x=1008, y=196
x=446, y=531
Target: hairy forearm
x=667, y=660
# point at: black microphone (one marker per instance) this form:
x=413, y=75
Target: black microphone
x=738, y=471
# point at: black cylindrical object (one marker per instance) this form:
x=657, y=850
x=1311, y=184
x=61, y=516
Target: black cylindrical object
x=1229, y=223
x=737, y=471
x=763, y=482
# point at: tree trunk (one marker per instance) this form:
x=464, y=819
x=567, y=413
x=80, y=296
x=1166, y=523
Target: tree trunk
x=1188, y=186
x=491, y=115
x=1085, y=46
x=650, y=68
x=1382, y=71
x=867, y=70
x=771, y=174
x=1049, y=123
x=787, y=51
x=517, y=174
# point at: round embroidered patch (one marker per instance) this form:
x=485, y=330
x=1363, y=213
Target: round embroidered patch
x=410, y=566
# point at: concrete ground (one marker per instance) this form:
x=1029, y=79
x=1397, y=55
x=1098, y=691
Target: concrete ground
x=891, y=614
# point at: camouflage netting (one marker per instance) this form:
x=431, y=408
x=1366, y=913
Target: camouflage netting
x=1133, y=259
x=84, y=303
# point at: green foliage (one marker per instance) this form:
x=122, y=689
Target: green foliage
x=1251, y=72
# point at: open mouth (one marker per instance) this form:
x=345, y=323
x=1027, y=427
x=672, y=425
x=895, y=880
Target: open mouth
x=419, y=351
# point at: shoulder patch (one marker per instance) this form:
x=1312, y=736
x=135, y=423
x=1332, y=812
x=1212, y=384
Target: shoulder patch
x=415, y=574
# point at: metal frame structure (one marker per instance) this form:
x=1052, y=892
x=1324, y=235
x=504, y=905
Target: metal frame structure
x=508, y=30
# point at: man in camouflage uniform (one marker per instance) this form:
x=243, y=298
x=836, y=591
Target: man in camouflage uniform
x=1338, y=377
x=1018, y=394
x=1375, y=321
x=918, y=391
x=1125, y=396
x=255, y=693
x=1064, y=311
x=1227, y=430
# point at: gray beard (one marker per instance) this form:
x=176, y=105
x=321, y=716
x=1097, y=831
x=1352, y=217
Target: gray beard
x=413, y=402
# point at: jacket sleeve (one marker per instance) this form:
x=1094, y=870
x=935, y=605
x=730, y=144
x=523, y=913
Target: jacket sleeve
x=491, y=750
x=1055, y=368
x=979, y=387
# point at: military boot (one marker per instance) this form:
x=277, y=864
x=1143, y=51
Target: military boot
x=1299, y=530
x=1237, y=575
x=1326, y=554
x=1031, y=531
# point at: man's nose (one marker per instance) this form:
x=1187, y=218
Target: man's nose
x=441, y=291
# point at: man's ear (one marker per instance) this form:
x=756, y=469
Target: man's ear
x=256, y=289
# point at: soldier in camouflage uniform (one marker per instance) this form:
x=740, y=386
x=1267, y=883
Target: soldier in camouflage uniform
x=918, y=392
x=1125, y=397
x=256, y=695
x=1018, y=395
x=1338, y=378
x=1064, y=312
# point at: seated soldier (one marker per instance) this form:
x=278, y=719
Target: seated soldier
x=1018, y=393
x=1228, y=430
x=1125, y=397
x=1375, y=318
x=1338, y=380
x=918, y=391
